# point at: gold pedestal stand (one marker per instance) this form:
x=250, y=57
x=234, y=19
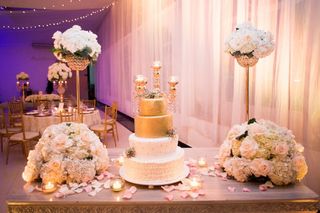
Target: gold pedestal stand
x=247, y=62
x=77, y=63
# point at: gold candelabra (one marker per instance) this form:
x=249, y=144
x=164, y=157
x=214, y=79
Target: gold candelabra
x=141, y=82
x=60, y=86
x=22, y=85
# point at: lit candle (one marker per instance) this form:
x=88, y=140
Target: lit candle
x=70, y=109
x=49, y=187
x=202, y=162
x=117, y=185
x=140, y=78
x=194, y=183
x=121, y=160
x=173, y=79
x=18, y=83
x=156, y=65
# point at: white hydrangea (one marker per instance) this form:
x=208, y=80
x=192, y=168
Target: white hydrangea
x=67, y=152
x=75, y=40
x=59, y=72
x=248, y=40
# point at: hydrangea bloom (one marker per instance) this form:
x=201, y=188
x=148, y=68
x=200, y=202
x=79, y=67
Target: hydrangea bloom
x=59, y=72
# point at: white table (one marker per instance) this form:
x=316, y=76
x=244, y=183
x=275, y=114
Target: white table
x=38, y=124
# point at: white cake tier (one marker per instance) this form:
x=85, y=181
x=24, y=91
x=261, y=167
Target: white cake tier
x=155, y=148
x=165, y=169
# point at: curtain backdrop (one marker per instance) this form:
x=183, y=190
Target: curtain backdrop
x=188, y=36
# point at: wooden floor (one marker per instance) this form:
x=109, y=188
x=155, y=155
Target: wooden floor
x=10, y=173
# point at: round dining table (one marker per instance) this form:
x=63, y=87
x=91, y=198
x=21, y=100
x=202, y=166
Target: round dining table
x=37, y=123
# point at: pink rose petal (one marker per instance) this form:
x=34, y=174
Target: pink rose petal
x=169, y=197
x=223, y=174
x=201, y=192
x=38, y=188
x=231, y=189
x=92, y=193
x=83, y=184
x=133, y=189
x=28, y=187
x=269, y=184
x=127, y=195
x=88, y=188
x=106, y=184
x=193, y=194
x=184, y=195
x=224, y=178
x=246, y=189
x=263, y=187
x=168, y=188
x=100, y=177
x=59, y=195
x=79, y=190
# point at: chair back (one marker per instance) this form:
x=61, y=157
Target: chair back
x=15, y=112
x=89, y=103
x=2, y=118
x=71, y=117
x=111, y=112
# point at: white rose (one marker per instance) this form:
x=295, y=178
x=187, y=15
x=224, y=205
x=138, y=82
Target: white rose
x=280, y=148
x=260, y=167
x=248, y=148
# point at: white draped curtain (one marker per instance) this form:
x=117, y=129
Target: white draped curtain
x=188, y=36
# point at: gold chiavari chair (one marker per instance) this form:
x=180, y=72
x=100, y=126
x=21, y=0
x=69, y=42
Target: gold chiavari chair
x=106, y=126
x=112, y=117
x=5, y=132
x=71, y=116
x=89, y=103
x=15, y=112
x=24, y=138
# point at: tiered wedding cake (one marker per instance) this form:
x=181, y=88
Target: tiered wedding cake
x=153, y=156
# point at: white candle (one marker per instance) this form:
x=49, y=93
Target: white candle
x=156, y=64
x=202, y=162
x=121, y=160
x=173, y=79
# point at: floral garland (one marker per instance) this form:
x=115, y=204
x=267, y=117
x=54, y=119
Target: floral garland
x=262, y=149
x=67, y=152
x=22, y=76
x=76, y=42
x=59, y=72
x=248, y=40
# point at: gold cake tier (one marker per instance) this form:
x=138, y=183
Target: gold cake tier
x=152, y=126
x=152, y=106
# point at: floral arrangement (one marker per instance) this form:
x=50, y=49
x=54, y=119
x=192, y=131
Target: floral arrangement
x=66, y=152
x=77, y=42
x=22, y=76
x=59, y=72
x=262, y=149
x=248, y=40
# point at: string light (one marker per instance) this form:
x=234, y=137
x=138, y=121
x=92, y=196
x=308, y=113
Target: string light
x=39, y=26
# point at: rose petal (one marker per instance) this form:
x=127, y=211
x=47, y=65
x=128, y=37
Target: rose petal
x=269, y=184
x=224, y=178
x=79, y=190
x=263, y=187
x=223, y=174
x=88, y=188
x=28, y=187
x=184, y=195
x=168, y=188
x=169, y=197
x=201, y=192
x=100, y=177
x=59, y=195
x=92, y=193
x=38, y=188
x=133, y=189
x=127, y=195
x=231, y=189
x=246, y=189
x=106, y=184
x=83, y=184
x=211, y=168
x=98, y=189
x=63, y=189
x=69, y=192
x=193, y=194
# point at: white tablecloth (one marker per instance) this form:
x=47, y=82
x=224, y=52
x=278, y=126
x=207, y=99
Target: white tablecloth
x=38, y=124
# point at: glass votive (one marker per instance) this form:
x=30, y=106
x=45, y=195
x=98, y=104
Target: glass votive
x=195, y=182
x=202, y=162
x=117, y=184
x=49, y=187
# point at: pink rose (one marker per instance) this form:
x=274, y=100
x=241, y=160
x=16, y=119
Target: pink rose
x=260, y=167
x=280, y=148
x=248, y=148
x=256, y=129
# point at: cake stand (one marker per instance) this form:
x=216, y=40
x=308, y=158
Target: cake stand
x=154, y=182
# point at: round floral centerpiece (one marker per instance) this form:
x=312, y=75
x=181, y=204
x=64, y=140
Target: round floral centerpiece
x=67, y=152
x=76, y=41
x=59, y=72
x=250, y=42
x=22, y=76
x=262, y=149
